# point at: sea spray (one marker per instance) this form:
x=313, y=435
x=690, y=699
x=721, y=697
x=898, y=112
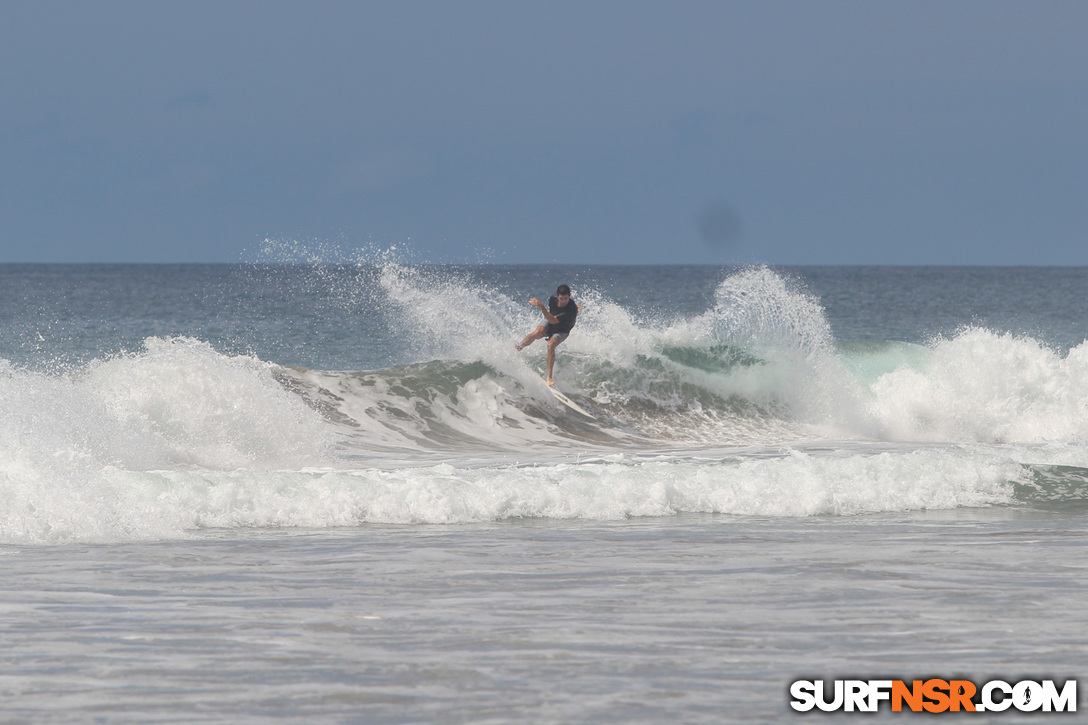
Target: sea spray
x=446, y=315
x=176, y=405
x=748, y=406
x=987, y=387
x=206, y=408
x=763, y=352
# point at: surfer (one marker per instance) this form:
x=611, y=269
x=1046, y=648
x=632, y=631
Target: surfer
x=561, y=314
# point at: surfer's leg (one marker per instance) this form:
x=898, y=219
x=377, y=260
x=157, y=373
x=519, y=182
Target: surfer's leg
x=553, y=342
x=531, y=338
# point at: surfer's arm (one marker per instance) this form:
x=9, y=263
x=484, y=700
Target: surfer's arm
x=552, y=319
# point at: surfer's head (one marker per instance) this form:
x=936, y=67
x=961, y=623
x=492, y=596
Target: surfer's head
x=562, y=291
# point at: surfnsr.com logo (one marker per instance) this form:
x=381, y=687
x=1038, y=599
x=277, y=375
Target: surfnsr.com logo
x=933, y=695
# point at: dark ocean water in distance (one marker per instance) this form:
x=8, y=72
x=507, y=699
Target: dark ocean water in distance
x=335, y=316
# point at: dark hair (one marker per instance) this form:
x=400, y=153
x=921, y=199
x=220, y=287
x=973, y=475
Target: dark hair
x=562, y=290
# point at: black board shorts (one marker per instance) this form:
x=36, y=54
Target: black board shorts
x=560, y=336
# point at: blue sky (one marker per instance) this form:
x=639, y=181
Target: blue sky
x=537, y=132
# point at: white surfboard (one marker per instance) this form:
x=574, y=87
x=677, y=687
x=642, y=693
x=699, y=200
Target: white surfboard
x=568, y=402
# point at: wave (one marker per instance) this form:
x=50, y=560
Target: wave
x=753, y=369
x=987, y=387
x=751, y=408
x=761, y=366
x=1054, y=485
x=114, y=504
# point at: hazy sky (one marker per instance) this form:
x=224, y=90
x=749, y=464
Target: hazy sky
x=575, y=132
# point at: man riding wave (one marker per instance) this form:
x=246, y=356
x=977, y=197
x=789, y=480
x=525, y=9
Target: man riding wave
x=561, y=313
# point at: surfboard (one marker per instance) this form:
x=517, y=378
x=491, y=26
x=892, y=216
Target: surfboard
x=568, y=402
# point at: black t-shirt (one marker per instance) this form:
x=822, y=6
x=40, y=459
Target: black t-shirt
x=566, y=314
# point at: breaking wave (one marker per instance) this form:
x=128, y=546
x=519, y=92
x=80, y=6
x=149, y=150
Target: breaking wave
x=750, y=408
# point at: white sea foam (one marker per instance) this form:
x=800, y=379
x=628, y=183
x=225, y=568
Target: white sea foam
x=176, y=405
x=115, y=504
x=765, y=345
x=179, y=435
x=986, y=387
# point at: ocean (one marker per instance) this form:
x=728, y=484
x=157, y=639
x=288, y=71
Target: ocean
x=335, y=492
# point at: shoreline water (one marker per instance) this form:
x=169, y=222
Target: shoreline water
x=702, y=617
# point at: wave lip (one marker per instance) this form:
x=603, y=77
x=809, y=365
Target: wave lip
x=176, y=405
x=982, y=386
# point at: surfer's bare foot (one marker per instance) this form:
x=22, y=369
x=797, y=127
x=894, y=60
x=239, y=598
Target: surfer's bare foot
x=550, y=382
x=517, y=346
